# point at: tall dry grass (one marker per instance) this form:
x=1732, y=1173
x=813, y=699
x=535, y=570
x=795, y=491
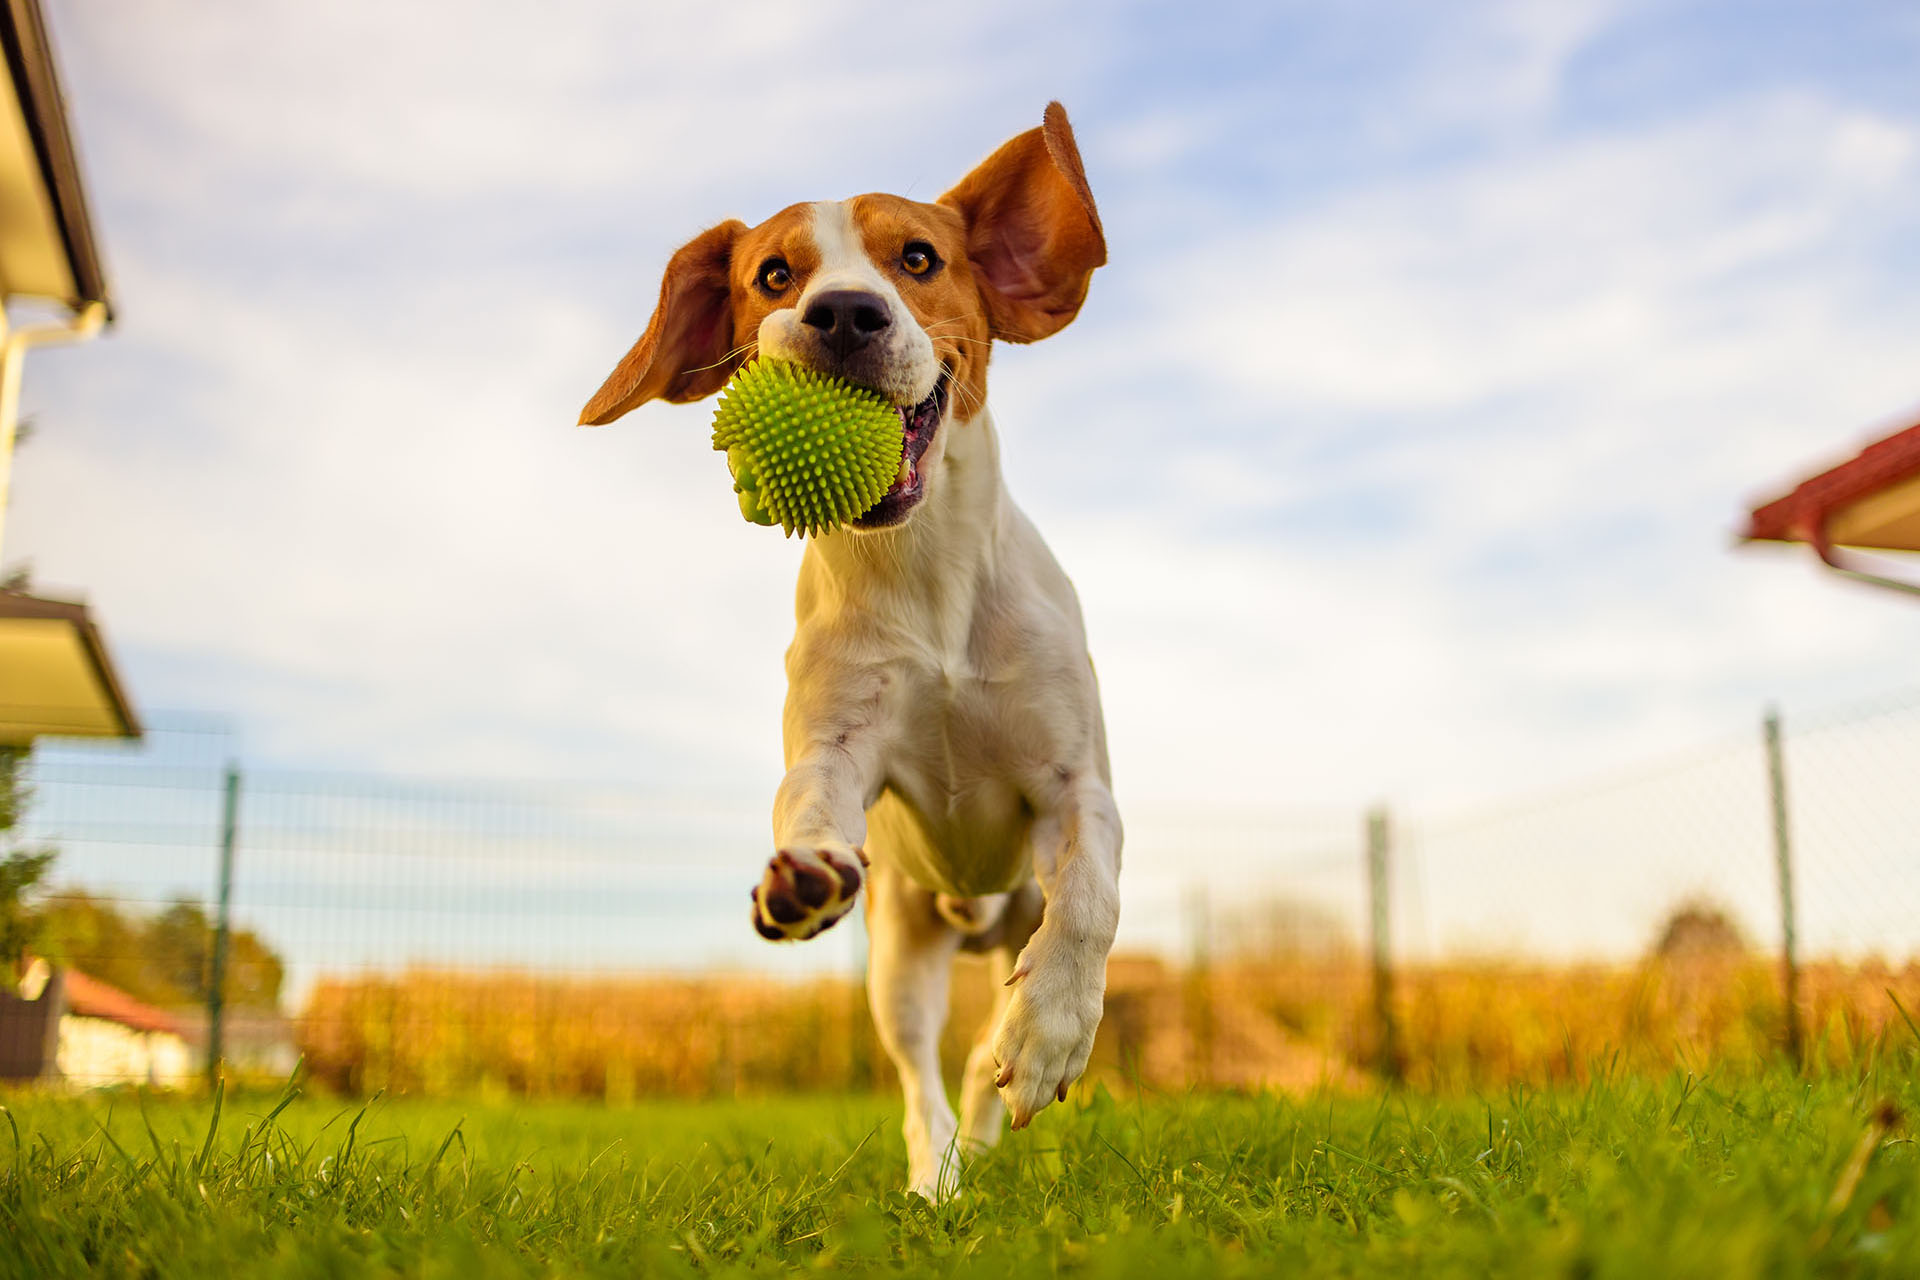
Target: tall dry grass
x=1295, y=1026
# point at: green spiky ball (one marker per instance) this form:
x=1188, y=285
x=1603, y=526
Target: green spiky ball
x=807, y=451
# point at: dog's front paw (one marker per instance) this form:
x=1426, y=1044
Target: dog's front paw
x=805, y=892
x=1046, y=1035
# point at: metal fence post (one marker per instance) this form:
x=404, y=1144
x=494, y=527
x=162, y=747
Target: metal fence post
x=1379, y=841
x=1783, y=863
x=217, y=978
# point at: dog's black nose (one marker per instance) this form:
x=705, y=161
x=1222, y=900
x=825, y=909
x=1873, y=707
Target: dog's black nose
x=847, y=319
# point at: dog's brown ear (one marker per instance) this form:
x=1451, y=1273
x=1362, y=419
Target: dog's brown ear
x=687, y=351
x=1033, y=234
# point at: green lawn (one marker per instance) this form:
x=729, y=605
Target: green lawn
x=1637, y=1179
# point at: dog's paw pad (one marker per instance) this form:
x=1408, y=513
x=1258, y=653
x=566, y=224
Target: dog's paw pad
x=805, y=892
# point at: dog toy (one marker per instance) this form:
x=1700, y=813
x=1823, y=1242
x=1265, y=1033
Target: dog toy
x=808, y=451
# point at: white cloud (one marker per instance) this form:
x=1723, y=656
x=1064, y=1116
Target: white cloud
x=1564, y=262
x=1501, y=65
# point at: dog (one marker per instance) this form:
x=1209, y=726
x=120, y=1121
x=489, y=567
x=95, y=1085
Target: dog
x=944, y=742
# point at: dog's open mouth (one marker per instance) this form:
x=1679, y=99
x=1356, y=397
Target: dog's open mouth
x=918, y=424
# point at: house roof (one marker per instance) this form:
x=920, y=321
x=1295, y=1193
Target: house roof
x=55, y=675
x=1870, y=500
x=92, y=998
x=47, y=247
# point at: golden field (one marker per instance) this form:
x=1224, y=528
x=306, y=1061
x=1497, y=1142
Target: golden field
x=1246, y=1026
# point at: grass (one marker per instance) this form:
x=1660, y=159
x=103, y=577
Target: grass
x=1636, y=1178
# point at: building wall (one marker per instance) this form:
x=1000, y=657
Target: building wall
x=94, y=1051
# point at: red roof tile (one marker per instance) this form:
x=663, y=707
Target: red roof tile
x=1803, y=514
x=92, y=998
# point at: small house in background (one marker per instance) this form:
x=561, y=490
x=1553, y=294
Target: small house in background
x=63, y=1026
x=1870, y=501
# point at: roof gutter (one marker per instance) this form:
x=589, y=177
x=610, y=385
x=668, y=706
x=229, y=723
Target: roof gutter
x=1850, y=566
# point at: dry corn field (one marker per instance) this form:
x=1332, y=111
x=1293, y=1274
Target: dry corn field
x=1292, y=1028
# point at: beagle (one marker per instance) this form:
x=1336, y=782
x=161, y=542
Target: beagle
x=944, y=741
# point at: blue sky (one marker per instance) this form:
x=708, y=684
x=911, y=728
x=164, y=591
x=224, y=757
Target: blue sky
x=1397, y=453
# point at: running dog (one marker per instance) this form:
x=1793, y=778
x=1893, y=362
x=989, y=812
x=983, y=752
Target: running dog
x=944, y=741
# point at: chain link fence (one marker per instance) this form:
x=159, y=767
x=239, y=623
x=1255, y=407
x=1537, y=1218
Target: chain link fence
x=572, y=939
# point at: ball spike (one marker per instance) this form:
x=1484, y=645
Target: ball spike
x=807, y=451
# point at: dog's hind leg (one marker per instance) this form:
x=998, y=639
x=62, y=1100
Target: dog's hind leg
x=983, y=1115
x=909, y=963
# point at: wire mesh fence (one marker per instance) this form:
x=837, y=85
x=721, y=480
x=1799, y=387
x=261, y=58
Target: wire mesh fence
x=593, y=940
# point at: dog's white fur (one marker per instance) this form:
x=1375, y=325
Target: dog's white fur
x=943, y=721
x=906, y=368
x=979, y=762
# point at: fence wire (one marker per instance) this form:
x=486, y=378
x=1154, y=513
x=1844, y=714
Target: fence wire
x=594, y=939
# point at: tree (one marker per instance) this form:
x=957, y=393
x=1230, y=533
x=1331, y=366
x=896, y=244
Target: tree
x=89, y=934
x=164, y=959
x=1699, y=929
x=21, y=870
x=179, y=946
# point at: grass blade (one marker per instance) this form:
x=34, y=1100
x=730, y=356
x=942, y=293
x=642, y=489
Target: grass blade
x=213, y=1126
x=1904, y=1015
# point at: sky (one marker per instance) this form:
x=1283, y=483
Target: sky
x=1398, y=453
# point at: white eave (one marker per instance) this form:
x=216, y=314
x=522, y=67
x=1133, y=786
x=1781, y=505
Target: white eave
x=47, y=247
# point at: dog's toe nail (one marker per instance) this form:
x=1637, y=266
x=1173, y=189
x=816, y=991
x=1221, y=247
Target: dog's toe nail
x=1016, y=976
x=1004, y=1079
x=861, y=853
x=1060, y=1094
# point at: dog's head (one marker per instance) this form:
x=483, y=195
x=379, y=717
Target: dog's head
x=899, y=296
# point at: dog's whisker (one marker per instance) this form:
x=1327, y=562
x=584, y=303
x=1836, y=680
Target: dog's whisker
x=970, y=400
x=955, y=387
x=743, y=347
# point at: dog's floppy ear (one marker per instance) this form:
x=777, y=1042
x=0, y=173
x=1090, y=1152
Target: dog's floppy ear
x=685, y=352
x=1033, y=234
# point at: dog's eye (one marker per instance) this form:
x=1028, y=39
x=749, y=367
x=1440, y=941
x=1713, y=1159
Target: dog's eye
x=775, y=275
x=918, y=258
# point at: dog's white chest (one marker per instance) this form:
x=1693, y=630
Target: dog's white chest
x=954, y=813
